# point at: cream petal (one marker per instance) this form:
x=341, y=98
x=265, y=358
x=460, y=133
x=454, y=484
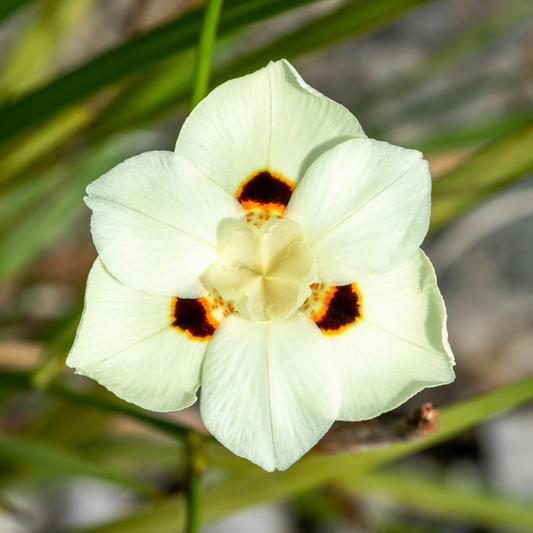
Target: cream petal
x=365, y=208
x=270, y=119
x=253, y=304
x=299, y=263
x=126, y=342
x=399, y=346
x=242, y=249
x=231, y=282
x=284, y=296
x=268, y=299
x=155, y=222
x=269, y=393
x=278, y=235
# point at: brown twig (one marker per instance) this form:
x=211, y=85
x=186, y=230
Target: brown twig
x=379, y=432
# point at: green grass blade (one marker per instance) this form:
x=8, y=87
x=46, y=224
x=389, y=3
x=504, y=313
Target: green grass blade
x=503, y=160
x=205, y=49
x=22, y=159
x=50, y=214
x=169, y=88
x=101, y=400
x=39, y=455
x=108, y=402
x=350, y=19
x=153, y=95
x=430, y=111
x=30, y=59
x=257, y=486
x=472, y=132
x=156, y=96
x=7, y=7
x=464, y=46
x=129, y=58
x=436, y=498
x=21, y=201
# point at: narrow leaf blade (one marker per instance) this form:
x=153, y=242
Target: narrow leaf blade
x=257, y=486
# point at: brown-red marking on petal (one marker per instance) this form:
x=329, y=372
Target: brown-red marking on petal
x=193, y=317
x=266, y=190
x=341, y=309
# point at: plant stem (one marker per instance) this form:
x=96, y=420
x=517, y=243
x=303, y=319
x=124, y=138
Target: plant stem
x=195, y=465
x=205, y=48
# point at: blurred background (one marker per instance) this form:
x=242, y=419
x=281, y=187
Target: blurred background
x=84, y=84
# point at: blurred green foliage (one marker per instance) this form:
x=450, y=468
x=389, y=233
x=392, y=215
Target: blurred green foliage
x=61, y=130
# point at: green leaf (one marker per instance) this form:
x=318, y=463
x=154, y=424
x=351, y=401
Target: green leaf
x=29, y=60
x=39, y=455
x=59, y=338
x=107, y=402
x=350, y=19
x=169, y=86
x=22, y=200
x=7, y=7
x=136, y=54
x=39, y=229
x=22, y=159
x=503, y=160
x=434, y=497
x=443, y=102
x=157, y=95
x=472, y=132
x=153, y=94
x=138, y=450
x=50, y=213
x=469, y=42
x=205, y=49
x=101, y=400
x=257, y=486
x=47, y=210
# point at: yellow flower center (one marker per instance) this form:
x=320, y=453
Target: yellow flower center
x=265, y=269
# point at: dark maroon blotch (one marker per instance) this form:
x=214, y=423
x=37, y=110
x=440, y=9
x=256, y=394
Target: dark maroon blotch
x=264, y=188
x=189, y=315
x=343, y=309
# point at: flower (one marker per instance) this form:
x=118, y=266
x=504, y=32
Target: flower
x=273, y=259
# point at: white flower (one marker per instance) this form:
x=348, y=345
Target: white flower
x=273, y=260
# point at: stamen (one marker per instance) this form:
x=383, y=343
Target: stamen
x=259, y=216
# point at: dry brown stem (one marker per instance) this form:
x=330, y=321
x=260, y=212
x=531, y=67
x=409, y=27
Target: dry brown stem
x=379, y=432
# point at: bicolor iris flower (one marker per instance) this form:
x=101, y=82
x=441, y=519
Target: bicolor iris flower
x=273, y=259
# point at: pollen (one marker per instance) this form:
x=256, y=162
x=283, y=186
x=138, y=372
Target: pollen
x=259, y=216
